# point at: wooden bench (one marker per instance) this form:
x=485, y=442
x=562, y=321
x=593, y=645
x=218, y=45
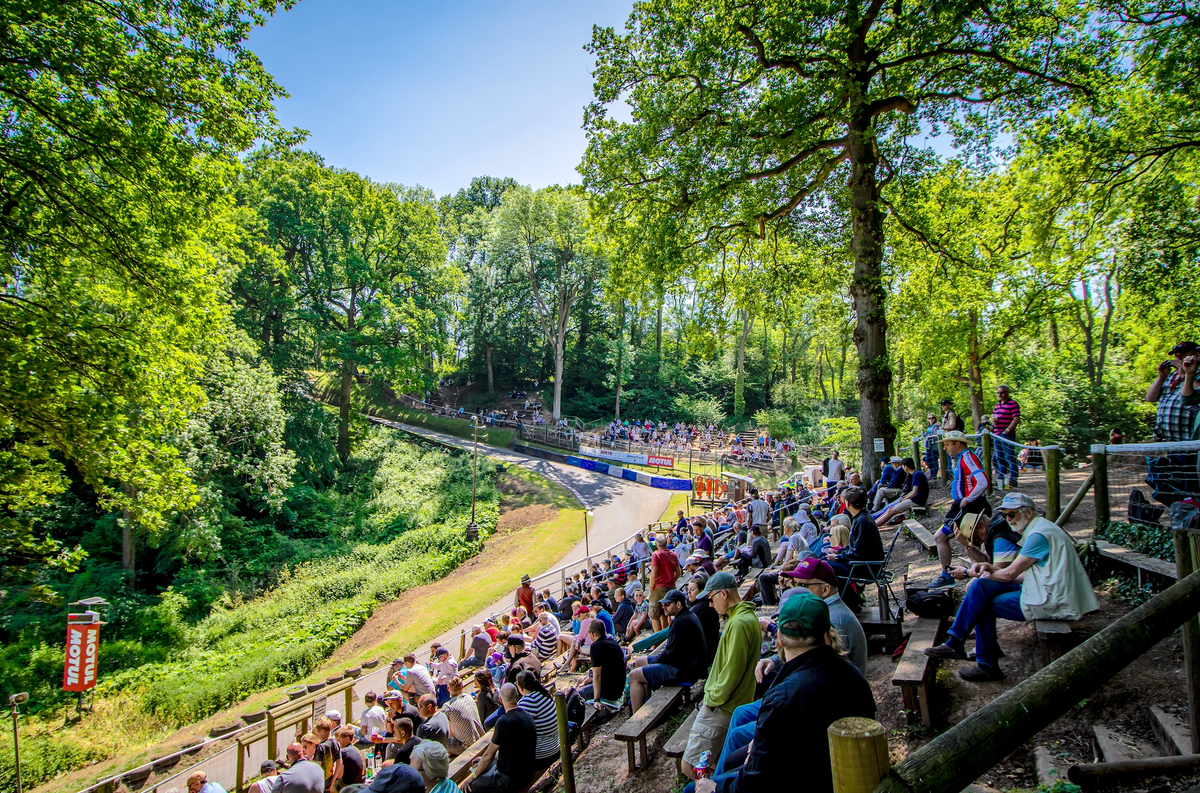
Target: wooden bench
x=591, y=721
x=751, y=576
x=921, y=535
x=460, y=767
x=1139, y=561
x=916, y=671
x=1053, y=638
x=648, y=716
x=676, y=746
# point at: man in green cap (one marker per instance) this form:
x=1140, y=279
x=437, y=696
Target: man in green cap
x=730, y=681
x=815, y=688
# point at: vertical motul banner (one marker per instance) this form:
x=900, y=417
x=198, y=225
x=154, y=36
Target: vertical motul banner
x=79, y=671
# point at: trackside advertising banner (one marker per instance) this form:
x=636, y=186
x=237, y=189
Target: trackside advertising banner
x=79, y=671
x=628, y=457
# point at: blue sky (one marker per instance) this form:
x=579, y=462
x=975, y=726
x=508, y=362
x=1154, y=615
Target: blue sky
x=434, y=93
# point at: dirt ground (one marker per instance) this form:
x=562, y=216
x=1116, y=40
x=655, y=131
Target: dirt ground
x=1156, y=678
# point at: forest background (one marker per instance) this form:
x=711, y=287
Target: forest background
x=770, y=238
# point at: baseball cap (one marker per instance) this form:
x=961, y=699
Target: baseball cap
x=955, y=435
x=947, y=401
x=1016, y=500
x=722, y=580
x=808, y=611
x=391, y=695
x=267, y=765
x=674, y=596
x=693, y=559
x=813, y=568
x=398, y=778
x=894, y=459
x=442, y=651
x=1185, y=347
x=333, y=714
x=397, y=661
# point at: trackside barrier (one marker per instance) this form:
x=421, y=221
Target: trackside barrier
x=641, y=477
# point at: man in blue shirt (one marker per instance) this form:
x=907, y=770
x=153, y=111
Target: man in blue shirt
x=917, y=496
x=887, y=487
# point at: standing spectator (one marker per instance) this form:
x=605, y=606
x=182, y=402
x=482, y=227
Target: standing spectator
x=931, y=445
x=968, y=493
x=950, y=419
x=760, y=512
x=444, y=670
x=835, y=473
x=664, y=572
x=1190, y=396
x=730, y=682
x=1172, y=422
x=524, y=596
x=1005, y=419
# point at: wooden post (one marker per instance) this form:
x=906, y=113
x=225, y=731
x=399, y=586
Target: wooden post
x=985, y=439
x=348, y=713
x=1185, y=565
x=1052, y=459
x=957, y=757
x=462, y=644
x=272, y=747
x=917, y=456
x=240, y=779
x=564, y=742
x=944, y=463
x=858, y=753
x=1100, y=469
x=1076, y=500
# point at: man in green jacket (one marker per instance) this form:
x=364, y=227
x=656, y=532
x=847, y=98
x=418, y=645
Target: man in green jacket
x=730, y=682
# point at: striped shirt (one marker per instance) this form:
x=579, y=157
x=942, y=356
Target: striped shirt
x=1004, y=415
x=545, y=719
x=970, y=481
x=1173, y=421
x=546, y=642
x=463, y=716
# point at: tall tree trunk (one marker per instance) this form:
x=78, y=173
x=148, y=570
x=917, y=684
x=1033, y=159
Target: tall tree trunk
x=560, y=349
x=821, y=373
x=866, y=289
x=128, y=539
x=344, y=393
x=975, y=372
x=620, y=355
x=487, y=356
x=739, y=384
x=658, y=331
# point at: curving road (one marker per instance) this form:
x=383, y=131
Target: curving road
x=620, y=507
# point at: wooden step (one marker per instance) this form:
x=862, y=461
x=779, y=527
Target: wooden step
x=1173, y=734
x=1048, y=770
x=1111, y=746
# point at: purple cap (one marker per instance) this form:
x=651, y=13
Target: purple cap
x=813, y=569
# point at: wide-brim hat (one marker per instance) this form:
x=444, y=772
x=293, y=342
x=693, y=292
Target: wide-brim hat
x=955, y=435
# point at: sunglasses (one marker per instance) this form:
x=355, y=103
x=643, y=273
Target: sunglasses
x=1009, y=514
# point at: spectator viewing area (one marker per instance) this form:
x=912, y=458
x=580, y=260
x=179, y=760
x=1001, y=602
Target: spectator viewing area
x=648, y=396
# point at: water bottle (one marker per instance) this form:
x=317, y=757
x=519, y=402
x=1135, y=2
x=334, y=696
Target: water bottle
x=702, y=767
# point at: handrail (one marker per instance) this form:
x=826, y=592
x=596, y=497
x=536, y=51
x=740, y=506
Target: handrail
x=957, y=757
x=922, y=439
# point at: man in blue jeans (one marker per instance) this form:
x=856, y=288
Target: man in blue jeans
x=1045, y=581
x=1005, y=419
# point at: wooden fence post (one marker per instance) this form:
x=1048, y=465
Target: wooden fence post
x=564, y=742
x=1186, y=558
x=1052, y=459
x=1100, y=469
x=985, y=439
x=462, y=644
x=272, y=747
x=917, y=456
x=944, y=463
x=858, y=754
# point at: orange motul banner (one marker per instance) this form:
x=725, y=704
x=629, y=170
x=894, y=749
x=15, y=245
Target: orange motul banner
x=83, y=644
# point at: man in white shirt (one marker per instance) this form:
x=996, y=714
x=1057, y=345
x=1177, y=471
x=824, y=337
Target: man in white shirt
x=372, y=718
x=417, y=680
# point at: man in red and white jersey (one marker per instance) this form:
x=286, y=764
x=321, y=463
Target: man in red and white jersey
x=969, y=494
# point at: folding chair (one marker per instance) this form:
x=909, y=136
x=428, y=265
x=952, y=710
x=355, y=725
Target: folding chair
x=877, y=573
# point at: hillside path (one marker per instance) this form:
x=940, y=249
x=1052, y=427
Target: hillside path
x=621, y=507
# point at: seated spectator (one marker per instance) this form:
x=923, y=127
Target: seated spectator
x=816, y=576
x=623, y=613
x=545, y=637
x=400, y=743
x=917, y=496
x=768, y=583
x=968, y=494
x=507, y=764
x=466, y=727
x=682, y=660
x=373, y=720
x=487, y=696
x=301, y=776
x=641, y=615
x=887, y=487
x=551, y=603
x=538, y=702
x=600, y=613
x=432, y=762
x=758, y=554
x=417, y=679
x=352, y=760
x=479, y=645
x=814, y=688
x=607, y=687
x=434, y=726
x=865, y=544
x=521, y=659
x=1046, y=581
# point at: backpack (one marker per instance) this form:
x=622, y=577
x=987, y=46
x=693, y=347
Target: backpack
x=1142, y=512
x=959, y=424
x=576, y=710
x=938, y=603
